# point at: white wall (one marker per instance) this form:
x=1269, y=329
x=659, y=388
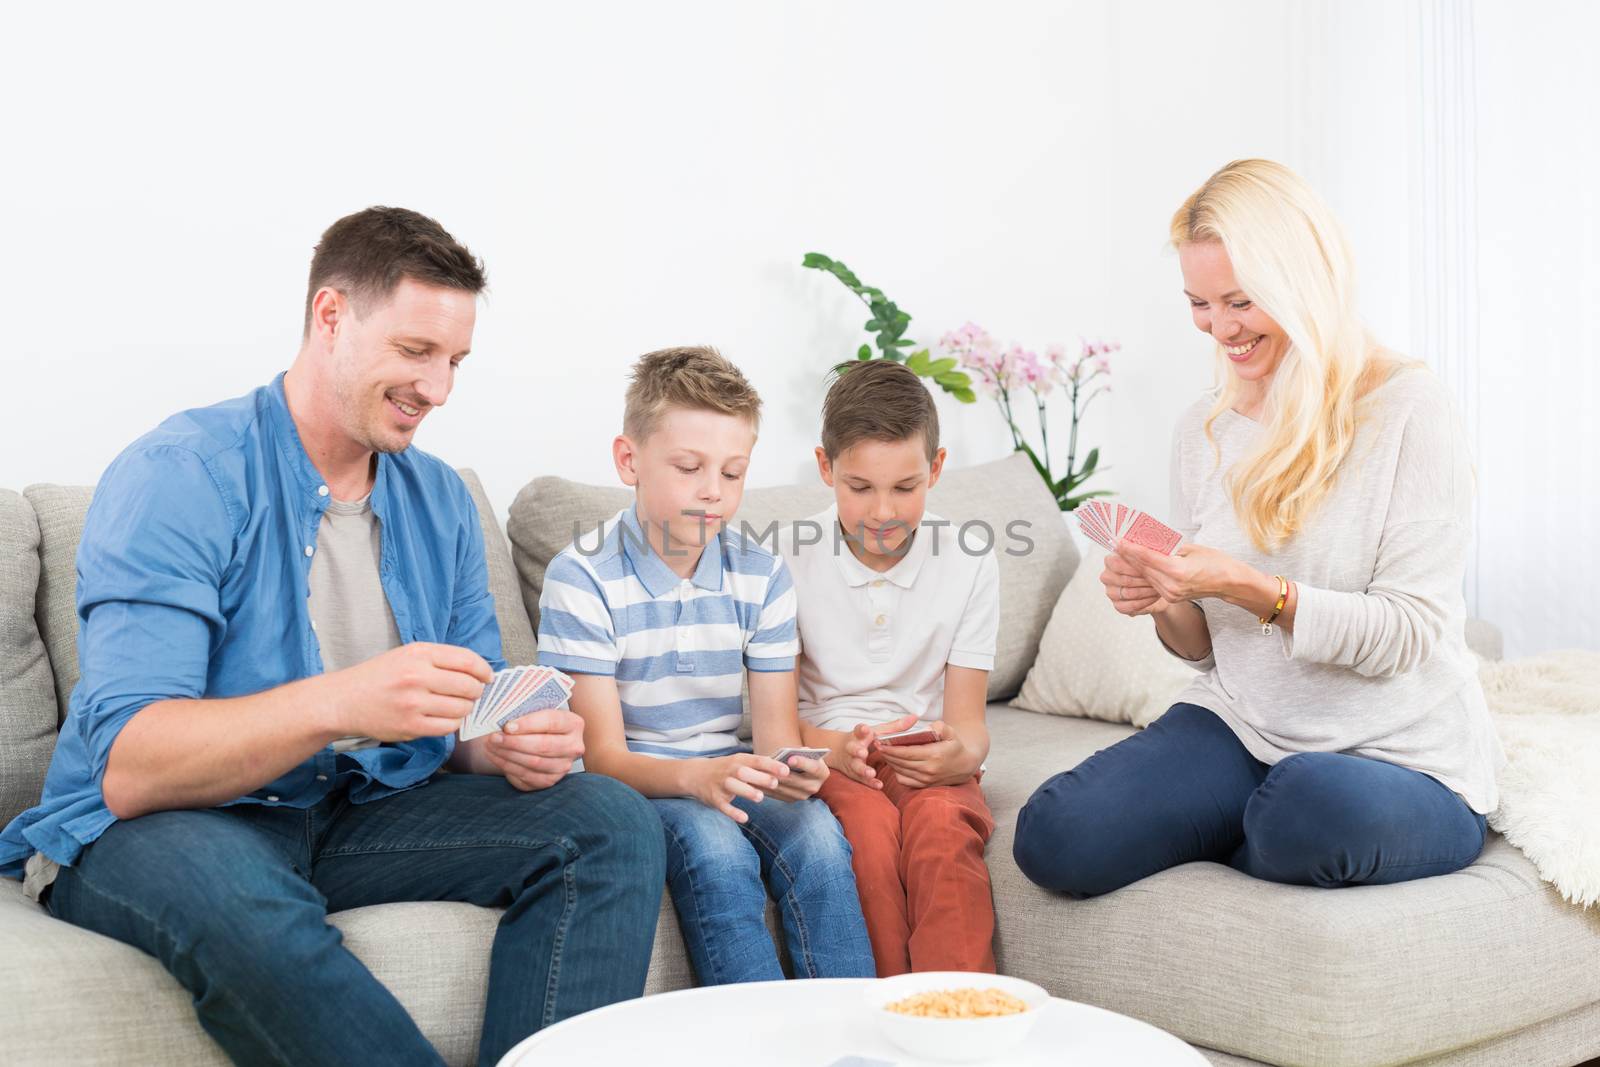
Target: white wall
x=637, y=175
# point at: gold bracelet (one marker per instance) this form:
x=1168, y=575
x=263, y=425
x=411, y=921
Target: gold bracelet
x=1283, y=598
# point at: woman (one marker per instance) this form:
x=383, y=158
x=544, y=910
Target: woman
x=1336, y=734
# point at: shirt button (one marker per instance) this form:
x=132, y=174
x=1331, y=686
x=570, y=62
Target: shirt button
x=309, y=550
x=272, y=799
x=881, y=619
x=877, y=583
x=322, y=490
x=322, y=777
x=313, y=625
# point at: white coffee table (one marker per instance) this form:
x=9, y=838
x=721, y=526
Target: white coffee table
x=813, y=1024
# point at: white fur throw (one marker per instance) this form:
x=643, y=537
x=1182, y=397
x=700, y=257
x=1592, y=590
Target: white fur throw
x=1547, y=710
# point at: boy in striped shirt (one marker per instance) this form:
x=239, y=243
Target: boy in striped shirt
x=660, y=624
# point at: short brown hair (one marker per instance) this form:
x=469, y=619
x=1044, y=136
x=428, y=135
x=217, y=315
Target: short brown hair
x=367, y=254
x=695, y=377
x=878, y=400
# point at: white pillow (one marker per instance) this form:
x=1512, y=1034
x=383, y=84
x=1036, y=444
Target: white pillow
x=1096, y=663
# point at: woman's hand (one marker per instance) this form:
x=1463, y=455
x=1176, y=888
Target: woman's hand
x=1192, y=572
x=1129, y=591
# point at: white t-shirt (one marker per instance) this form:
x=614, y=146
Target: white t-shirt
x=875, y=645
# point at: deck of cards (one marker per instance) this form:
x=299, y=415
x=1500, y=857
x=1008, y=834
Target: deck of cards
x=783, y=754
x=513, y=693
x=1106, y=524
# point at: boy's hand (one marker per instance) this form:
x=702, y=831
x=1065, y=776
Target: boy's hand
x=716, y=783
x=537, y=750
x=849, y=755
x=943, y=762
x=805, y=778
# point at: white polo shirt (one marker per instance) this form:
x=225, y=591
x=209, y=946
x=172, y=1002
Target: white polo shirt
x=875, y=645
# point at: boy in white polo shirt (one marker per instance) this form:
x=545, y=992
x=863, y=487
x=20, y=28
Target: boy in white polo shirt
x=660, y=620
x=897, y=627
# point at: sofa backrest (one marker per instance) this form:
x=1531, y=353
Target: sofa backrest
x=39, y=532
x=549, y=511
x=28, y=713
x=40, y=529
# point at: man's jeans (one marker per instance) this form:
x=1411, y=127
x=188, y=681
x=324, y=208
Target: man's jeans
x=1186, y=789
x=720, y=872
x=233, y=901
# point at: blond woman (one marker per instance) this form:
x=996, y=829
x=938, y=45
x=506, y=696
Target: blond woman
x=1335, y=733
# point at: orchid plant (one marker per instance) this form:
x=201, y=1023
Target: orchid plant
x=1000, y=371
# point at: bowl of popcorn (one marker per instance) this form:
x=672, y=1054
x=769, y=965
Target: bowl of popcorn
x=956, y=1016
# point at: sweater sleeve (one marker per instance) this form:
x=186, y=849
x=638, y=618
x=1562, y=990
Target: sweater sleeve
x=1396, y=623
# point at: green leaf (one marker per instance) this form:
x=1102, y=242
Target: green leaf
x=952, y=379
x=817, y=260
x=966, y=396
x=864, y=352
x=943, y=366
x=918, y=362
x=1088, y=462
x=1043, y=473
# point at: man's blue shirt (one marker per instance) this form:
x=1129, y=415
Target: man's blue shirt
x=193, y=583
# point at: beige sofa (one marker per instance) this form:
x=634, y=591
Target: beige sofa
x=1485, y=966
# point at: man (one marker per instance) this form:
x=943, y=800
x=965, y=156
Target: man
x=284, y=616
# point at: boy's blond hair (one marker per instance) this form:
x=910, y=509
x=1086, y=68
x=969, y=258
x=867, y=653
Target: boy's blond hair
x=696, y=378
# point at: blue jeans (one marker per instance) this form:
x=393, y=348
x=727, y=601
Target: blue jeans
x=1186, y=789
x=719, y=873
x=233, y=902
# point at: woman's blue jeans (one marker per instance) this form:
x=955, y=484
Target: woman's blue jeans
x=720, y=872
x=1185, y=789
x=234, y=901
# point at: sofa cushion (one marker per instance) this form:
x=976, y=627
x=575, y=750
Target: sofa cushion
x=28, y=714
x=433, y=956
x=516, y=634
x=1287, y=974
x=549, y=512
x=61, y=510
x=1099, y=664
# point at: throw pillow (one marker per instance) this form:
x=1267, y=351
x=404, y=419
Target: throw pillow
x=1095, y=663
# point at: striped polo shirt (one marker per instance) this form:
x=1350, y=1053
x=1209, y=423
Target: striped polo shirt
x=677, y=647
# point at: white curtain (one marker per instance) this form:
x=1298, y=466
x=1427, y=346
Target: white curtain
x=1457, y=140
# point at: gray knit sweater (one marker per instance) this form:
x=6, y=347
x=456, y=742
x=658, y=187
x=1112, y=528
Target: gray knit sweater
x=1377, y=665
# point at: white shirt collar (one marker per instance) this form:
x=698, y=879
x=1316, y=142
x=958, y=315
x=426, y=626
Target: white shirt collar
x=903, y=573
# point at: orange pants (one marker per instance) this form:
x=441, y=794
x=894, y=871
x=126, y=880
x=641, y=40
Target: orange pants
x=918, y=858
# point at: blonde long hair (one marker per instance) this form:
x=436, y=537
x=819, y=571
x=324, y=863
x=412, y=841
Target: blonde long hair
x=1289, y=255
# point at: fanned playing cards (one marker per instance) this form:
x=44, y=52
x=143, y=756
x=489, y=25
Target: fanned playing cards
x=513, y=693
x=1106, y=524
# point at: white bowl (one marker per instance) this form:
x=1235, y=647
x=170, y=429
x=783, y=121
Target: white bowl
x=954, y=1040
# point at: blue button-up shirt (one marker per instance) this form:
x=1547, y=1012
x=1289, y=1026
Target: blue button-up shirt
x=193, y=583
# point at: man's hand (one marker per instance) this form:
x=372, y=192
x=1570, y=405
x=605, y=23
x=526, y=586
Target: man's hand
x=416, y=690
x=848, y=755
x=716, y=783
x=537, y=750
x=805, y=778
x=943, y=762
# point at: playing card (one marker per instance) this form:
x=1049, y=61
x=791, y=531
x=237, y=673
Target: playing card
x=917, y=735
x=783, y=754
x=1153, y=534
x=549, y=695
x=513, y=693
x=531, y=680
x=1106, y=524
